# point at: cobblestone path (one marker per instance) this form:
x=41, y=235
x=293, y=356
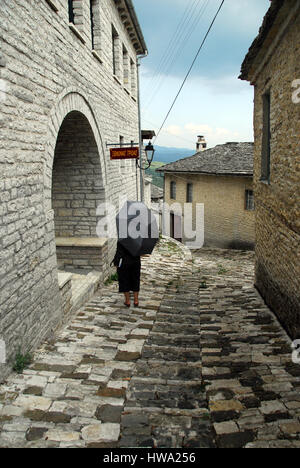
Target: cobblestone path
x=201, y=363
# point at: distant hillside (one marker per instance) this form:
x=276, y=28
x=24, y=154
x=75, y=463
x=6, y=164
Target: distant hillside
x=167, y=155
x=157, y=179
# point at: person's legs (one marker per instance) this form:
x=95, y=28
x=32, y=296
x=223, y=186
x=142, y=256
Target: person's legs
x=127, y=298
x=136, y=297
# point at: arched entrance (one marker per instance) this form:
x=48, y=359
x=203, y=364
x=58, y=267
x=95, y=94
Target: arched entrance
x=77, y=190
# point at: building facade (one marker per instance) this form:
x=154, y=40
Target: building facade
x=68, y=87
x=273, y=67
x=220, y=179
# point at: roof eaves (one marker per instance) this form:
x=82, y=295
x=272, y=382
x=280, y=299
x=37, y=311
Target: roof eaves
x=136, y=23
x=244, y=173
x=258, y=42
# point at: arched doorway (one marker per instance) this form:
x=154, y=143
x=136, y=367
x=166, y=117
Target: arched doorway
x=77, y=190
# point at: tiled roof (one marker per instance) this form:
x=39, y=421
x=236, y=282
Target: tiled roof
x=227, y=159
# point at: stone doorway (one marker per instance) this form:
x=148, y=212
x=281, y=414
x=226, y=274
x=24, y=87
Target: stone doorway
x=77, y=191
x=77, y=185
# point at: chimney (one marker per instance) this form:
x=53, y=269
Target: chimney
x=201, y=144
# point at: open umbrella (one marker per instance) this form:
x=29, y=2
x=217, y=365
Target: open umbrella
x=137, y=228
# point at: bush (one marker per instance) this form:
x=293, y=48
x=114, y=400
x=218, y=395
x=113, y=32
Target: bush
x=22, y=361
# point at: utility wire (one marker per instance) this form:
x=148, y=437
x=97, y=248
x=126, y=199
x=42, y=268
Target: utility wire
x=173, y=41
x=190, y=69
x=182, y=43
x=169, y=133
x=173, y=52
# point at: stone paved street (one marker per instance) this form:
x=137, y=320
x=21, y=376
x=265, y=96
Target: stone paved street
x=201, y=363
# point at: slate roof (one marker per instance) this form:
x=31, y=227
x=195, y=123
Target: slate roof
x=156, y=192
x=227, y=159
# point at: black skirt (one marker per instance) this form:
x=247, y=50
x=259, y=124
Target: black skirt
x=129, y=277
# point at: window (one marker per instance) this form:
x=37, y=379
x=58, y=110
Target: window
x=92, y=5
x=249, y=200
x=266, y=138
x=189, y=193
x=76, y=19
x=173, y=190
x=115, y=52
x=71, y=12
x=95, y=28
x=125, y=67
x=133, y=77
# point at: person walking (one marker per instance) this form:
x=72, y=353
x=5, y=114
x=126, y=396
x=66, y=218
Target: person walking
x=129, y=273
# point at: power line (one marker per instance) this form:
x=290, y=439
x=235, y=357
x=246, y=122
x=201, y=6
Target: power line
x=169, y=49
x=173, y=135
x=190, y=69
x=177, y=48
x=170, y=44
x=177, y=53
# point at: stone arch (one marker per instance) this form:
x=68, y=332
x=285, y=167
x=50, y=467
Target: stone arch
x=77, y=182
x=70, y=101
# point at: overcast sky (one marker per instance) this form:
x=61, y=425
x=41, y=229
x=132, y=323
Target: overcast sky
x=214, y=102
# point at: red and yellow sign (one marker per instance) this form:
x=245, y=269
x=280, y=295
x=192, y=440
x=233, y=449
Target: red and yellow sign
x=124, y=153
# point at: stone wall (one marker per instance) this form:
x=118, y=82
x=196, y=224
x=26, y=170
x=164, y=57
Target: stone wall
x=82, y=254
x=48, y=70
x=277, y=202
x=227, y=224
x=65, y=288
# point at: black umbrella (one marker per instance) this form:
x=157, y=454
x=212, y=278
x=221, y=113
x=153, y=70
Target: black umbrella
x=137, y=228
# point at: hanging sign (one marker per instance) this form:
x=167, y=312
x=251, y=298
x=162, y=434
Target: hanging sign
x=124, y=153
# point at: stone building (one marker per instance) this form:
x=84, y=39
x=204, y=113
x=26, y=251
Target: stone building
x=273, y=67
x=68, y=87
x=220, y=178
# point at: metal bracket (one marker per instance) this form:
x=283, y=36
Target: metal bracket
x=122, y=145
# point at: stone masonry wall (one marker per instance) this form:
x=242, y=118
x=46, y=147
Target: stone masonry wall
x=277, y=203
x=227, y=224
x=47, y=71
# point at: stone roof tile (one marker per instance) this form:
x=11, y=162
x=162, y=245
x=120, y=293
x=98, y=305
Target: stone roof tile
x=227, y=159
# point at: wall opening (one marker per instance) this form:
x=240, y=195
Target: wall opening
x=77, y=191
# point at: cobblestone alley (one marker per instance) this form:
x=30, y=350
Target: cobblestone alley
x=201, y=363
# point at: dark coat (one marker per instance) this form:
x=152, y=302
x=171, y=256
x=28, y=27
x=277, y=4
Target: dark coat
x=123, y=258
x=128, y=268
